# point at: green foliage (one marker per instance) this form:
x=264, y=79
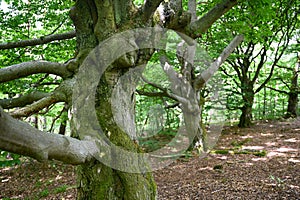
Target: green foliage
x=9, y=159
x=60, y=189
x=221, y=151
x=28, y=20
x=44, y=193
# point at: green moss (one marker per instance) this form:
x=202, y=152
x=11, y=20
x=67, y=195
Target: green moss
x=221, y=151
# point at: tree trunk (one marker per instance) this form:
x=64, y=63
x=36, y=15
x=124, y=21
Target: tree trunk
x=293, y=95
x=97, y=181
x=246, y=117
x=248, y=97
x=292, y=105
x=95, y=21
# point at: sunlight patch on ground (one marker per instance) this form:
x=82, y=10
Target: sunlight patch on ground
x=275, y=153
x=269, y=144
x=249, y=164
x=294, y=160
x=291, y=140
x=293, y=186
x=286, y=149
x=247, y=136
x=259, y=159
x=205, y=168
x=282, y=152
x=222, y=157
x=266, y=134
x=253, y=147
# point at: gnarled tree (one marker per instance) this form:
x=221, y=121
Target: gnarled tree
x=94, y=22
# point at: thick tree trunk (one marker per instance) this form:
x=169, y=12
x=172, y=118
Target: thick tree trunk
x=246, y=117
x=248, y=97
x=97, y=181
x=95, y=21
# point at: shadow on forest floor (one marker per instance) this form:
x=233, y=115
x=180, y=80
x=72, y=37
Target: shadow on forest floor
x=261, y=162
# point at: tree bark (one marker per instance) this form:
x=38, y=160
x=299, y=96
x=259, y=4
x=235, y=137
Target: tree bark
x=95, y=22
x=248, y=98
x=293, y=94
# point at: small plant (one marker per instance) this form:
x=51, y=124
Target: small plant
x=279, y=182
x=9, y=159
x=44, y=193
x=38, y=184
x=260, y=153
x=60, y=189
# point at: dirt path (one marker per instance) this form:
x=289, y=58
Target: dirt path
x=261, y=162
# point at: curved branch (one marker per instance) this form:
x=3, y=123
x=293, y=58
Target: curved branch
x=38, y=41
x=37, y=106
x=63, y=93
x=21, y=138
x=33, y=67
x=22, y=100
x=197, y=28
x=149, y=8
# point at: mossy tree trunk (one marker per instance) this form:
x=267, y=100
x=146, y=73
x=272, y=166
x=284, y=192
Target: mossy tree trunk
x=95, y=21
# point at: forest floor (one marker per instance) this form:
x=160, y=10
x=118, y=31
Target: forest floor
x=261, y=162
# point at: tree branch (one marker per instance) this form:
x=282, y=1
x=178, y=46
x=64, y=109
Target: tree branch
x=207, y=74
x=38, y=41
x=149, y=8
x=280, y=91
x=197, y=28
x=21, y=138
x=263, y=54
x=22, y=100
x=37, y=106
x=164, y=92
x=62, y=93
x=34, y=67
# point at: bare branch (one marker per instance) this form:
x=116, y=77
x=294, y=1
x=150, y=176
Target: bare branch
x=197, y=28
x=37, y=106
x=164, y=92
x=22, y=100
x=280, y=91
x=21, y=138
x=207, y=74
x=38, y=41
x=63, y=93
x=33, y=67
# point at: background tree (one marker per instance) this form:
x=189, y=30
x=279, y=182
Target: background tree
x=94, y=22
x=288, y=78
x=268, y=30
